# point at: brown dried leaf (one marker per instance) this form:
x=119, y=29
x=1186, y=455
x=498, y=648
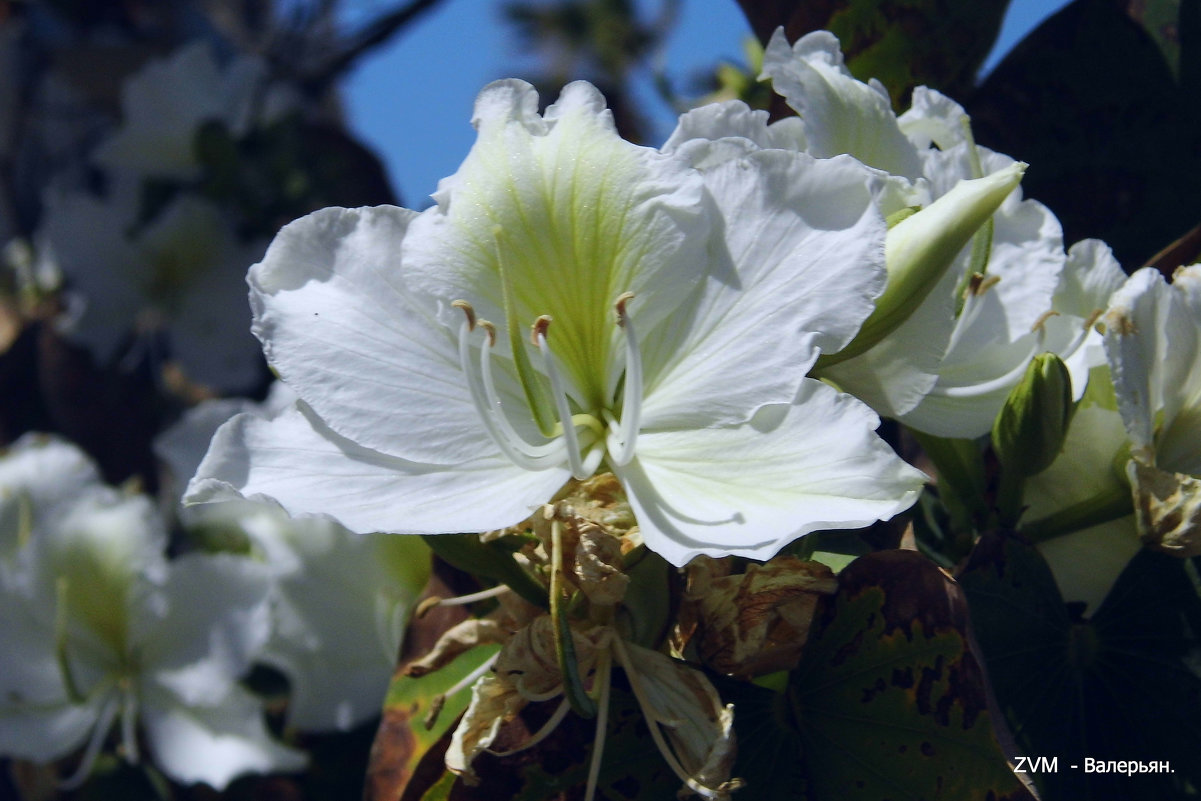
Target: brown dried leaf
x=494, y=702
x=757, y=622
x=528, y=660
x=598, y=565
x=1167, y=509
x=461, y=637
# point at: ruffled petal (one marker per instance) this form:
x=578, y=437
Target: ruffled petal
x=344, y=332
x=750, y=490
x=841, y=113
x=804, y=246
x=309, y=470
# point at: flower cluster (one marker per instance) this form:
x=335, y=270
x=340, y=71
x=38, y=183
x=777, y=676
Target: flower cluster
x=620, y=385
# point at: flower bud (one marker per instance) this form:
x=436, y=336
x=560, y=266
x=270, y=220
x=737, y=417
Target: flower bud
x=922, y=246
x=1028, y=432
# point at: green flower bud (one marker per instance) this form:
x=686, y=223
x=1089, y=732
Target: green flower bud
x=921, y=247
x=1029, y=431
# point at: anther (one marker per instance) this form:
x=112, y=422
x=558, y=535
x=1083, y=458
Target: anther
x=490, y=329
x=539, y=329
x=1041, y=321
x=620, y=307
x=467, y=310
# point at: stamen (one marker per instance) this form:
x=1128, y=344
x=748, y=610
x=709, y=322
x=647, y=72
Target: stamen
x=622, y=451
x=570, y=438
x=998, y=383
x=104, y=722
x=459, y=600
x=487, y=403
x=541, y=734
x=604, y=674
x=129, y=716
x=436, y=705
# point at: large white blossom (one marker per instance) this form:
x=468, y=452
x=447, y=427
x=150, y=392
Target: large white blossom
x=674, y=315
x=98, y=629
x=949, y=367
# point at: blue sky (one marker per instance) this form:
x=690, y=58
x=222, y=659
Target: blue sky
x=411, y=100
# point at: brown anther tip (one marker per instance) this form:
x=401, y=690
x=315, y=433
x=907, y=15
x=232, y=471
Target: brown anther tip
x=426, y=605
x=620, y=306
x=467, y=310
x=1047, y=315
x=490, y=329
x=538, y=329
x=431, y=717
x=1093, y=318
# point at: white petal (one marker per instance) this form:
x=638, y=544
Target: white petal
x=575, y=215
x=1086, y=562
x=213, y=744
x=335, y=636
x=1091, y=275
x=310, y=470
x=933, y=118
x=733, y=118
x=1151, y=340
x=841, y=114
x=197, y=648
x=805, y=248
x=344, y=332
x=752, y=489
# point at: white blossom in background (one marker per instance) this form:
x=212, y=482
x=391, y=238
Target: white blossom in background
x=98, y=630
x=183, y=272
x=674, y=316
x=339, y=601
x=164, y=105
x=949, y=367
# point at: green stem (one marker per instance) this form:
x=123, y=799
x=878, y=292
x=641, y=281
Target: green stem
x=569, y=665
x=1094, y=511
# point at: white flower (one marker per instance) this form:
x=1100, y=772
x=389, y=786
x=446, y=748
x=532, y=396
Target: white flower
x=339, y=601
x=948, y=368
x=167, y=101
x=97, y=627
x=183, y=271
x=674, y=316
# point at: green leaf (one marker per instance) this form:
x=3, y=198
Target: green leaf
x=1112, y=136
x=888, y=701
x=1114, y=687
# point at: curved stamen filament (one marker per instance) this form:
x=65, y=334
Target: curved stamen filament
x=622, y=451
x=538, y=452
x=1000, y=382
x=487, y=403
x=104, y=722
x=570, y=437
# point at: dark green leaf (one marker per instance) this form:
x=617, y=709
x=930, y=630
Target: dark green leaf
x=1113, y=687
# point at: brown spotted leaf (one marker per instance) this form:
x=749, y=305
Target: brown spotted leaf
x=888, y=700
